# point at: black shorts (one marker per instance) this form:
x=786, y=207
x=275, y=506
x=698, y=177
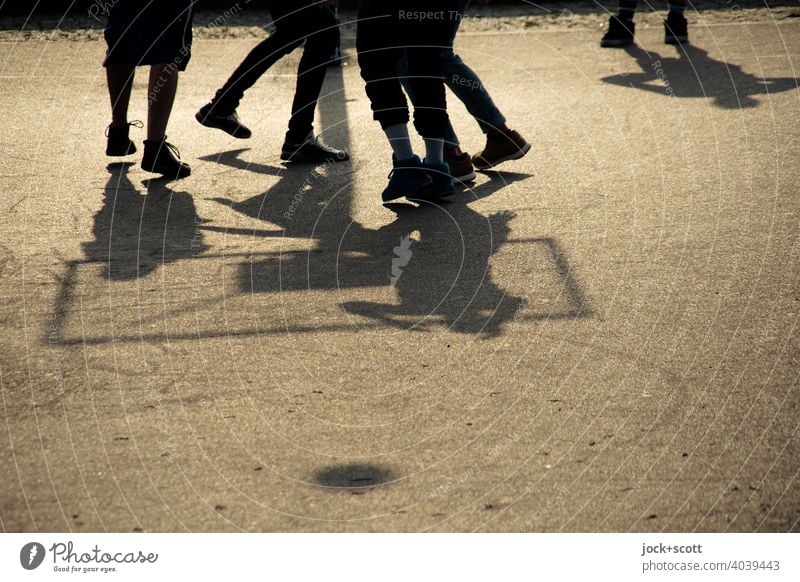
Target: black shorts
x=149, y=32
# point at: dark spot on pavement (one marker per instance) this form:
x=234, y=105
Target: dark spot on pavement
x=652, y=516
x=352, y=476
x=219, y=507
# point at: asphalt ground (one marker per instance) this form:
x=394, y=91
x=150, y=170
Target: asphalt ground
x=599, y=337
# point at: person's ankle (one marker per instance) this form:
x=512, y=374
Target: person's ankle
x=499, y=134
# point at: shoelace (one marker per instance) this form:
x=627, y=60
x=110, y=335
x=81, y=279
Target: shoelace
x=134, y=123
x=173, y=149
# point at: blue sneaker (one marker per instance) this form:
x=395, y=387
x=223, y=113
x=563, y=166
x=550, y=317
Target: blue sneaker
x=441, y=186
x=406, y=178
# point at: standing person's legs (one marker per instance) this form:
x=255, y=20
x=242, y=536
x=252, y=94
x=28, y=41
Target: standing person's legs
x=162, y=87
x=502, y=143
x=305, y=21
x=383, y=35
x=119, y=77
x=220, y=112
x=156, y=35
x=676, y=29
x=621, y=28
x=322, y=38
x=626, y=9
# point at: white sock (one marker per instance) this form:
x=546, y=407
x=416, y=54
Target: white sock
x=434, y=151
x=400, y=141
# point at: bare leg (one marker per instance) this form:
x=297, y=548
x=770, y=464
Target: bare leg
x=120, y=82
x=161, y=95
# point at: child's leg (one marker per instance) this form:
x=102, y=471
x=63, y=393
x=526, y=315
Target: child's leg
x=159, y=156
x=626, y=9
x=378, y=57
x=120, y=81
x=675, y=26
x=162, y=88
x=677, y=6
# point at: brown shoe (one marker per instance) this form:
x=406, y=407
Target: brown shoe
x=510, y=146
x=460, y=167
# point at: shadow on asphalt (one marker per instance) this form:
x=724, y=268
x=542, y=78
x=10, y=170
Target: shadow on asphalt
x=354, y=477
x=694, y=74
x=134, y=233
x=430, y=267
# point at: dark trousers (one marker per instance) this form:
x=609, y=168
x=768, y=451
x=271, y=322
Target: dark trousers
x=386, y=30
x=296, y=21
x=463, y=82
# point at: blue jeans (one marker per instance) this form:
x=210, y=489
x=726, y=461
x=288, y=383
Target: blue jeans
x=464, y=83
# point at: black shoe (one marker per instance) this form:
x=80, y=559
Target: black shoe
x=119, y=143
x=441, y=185
x=228, y=123
x=407, y=178
x=620, y=33
x=676, y=29
x=165, y=159
x=312, y=151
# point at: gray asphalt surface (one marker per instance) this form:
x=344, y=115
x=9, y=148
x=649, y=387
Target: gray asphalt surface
x=600, y=337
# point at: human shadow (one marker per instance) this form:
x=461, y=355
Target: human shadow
x=442, y=276
x=447, y=281
x=694, y=74
x=498, y=179
x=306, y=201
x=134, y=233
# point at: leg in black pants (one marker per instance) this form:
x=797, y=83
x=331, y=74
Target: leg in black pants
x=384, y=33
x=387, y=29
x=298, y=22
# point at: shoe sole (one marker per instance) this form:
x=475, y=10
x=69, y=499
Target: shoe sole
x=300, y=159
x=115, y=154
x=465, y=178
x=407, y=195
x=431, y=197
x=520, y=153
x=206, y=122
x=676, y=40
x=170, y=175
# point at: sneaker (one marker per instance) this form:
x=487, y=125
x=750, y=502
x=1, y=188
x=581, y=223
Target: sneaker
x=119, y=142
x=441, y=185
x=312, y=151
x=510, y=146
x=676, y=29
x=461, y=168
x=406, y=178
x=164, y=158
x=620, y=32
x=229, y=123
